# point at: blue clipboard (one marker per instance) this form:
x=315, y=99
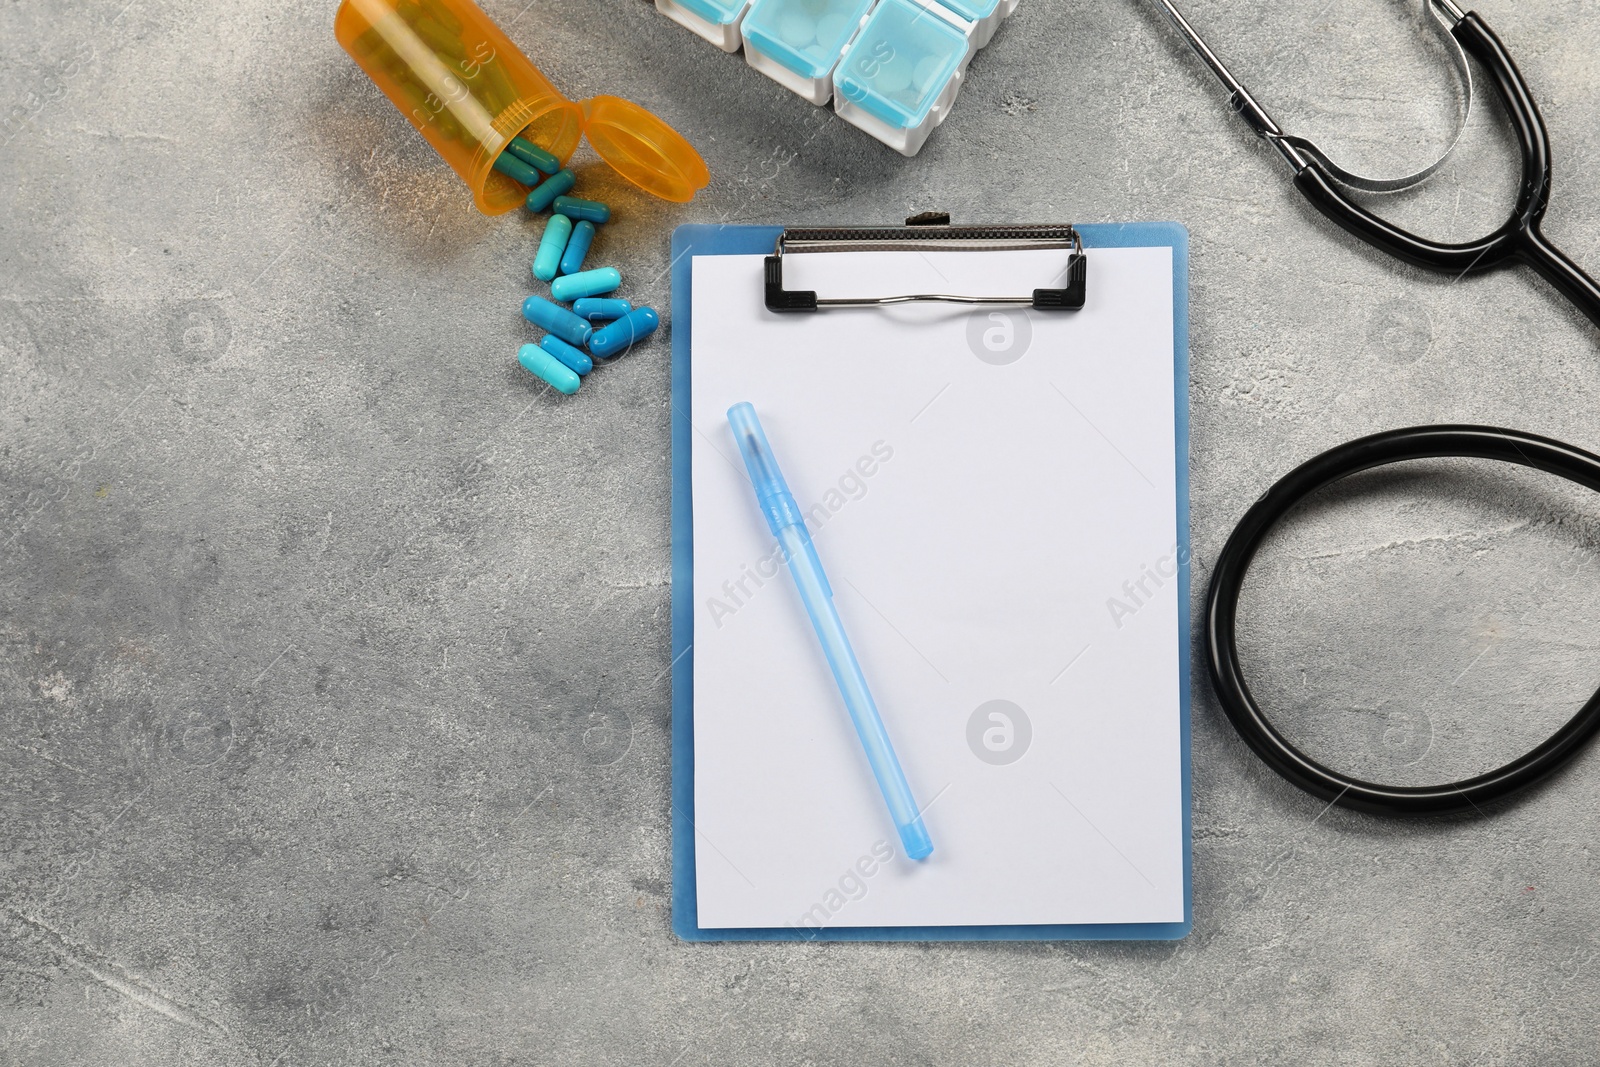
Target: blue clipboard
x=710, y=240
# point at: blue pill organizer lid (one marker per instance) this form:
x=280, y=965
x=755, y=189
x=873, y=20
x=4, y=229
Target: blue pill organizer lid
x=972, y=10
x=716, y=12
x=804, y=35
x=901, y=62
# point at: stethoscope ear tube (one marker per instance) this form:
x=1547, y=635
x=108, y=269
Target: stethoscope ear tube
x=1227, y=581
x=1519, y=238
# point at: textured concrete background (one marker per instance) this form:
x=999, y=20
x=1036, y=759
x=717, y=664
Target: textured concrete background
x=333, y=651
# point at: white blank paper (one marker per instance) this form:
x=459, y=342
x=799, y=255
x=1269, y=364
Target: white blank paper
x=995, y=529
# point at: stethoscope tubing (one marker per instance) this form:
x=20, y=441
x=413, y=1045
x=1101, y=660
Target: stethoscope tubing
x=1227, y=582
x=1329, y=188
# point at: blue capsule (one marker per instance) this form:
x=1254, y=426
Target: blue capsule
x=590, y=210
x=586, y=283
x=556, y=319
x=542, y=365
x=533, y=155
x=577, y=247
x=575, y=358
x=552, y=246
x=516, y=169
x=560, y=182
x=600, y=309
x=619, y=336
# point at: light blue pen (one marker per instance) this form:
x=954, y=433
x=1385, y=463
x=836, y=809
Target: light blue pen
x=789, y=527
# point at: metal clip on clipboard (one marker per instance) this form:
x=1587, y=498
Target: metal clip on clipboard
x=929, y=232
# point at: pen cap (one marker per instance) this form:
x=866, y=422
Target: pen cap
x=468, y=90
x=772, y=492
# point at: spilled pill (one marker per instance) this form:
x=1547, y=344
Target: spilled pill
x=600, y=309
x=556, y=319
x=533, y=155
x=575, y=358
x=542, y=197
x=547, y=263
x=577, y=247
x=586, y=283
x=617, y=338
x=516, y=169
x=547, y=368
x=574, y=208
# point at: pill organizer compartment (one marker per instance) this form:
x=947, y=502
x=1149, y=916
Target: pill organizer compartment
x=900, y=76
x=985, y=16
x=797, y=43
x=715, y=20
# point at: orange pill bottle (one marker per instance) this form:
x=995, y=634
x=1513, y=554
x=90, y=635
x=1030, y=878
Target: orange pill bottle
x=468, y=91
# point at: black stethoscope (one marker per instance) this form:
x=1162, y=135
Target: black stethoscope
x=1324, y=182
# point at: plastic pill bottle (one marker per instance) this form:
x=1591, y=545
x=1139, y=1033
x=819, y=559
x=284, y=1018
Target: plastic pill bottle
x=468, y=90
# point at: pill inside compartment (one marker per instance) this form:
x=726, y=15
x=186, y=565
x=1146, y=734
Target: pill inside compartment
x=797, y=43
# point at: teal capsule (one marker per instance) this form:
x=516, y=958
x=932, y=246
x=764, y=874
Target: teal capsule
x=576, y=358
x=516, y=169
x=547, y=368
x=556, y=319
x=577, y=247
x=590, y=210
x=586, y=283
x=600, y=309
x=559, y=182
x=533, y=155
x=619, y=336
x=547, y=263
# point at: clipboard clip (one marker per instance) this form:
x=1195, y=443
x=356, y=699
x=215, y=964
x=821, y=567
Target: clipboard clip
x=928, y=232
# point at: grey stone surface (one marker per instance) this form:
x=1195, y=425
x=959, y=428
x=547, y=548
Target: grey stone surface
x=333, y=652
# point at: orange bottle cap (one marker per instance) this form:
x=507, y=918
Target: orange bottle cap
x=643, y=149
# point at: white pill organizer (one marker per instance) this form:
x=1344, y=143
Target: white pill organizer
x=890, y=67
